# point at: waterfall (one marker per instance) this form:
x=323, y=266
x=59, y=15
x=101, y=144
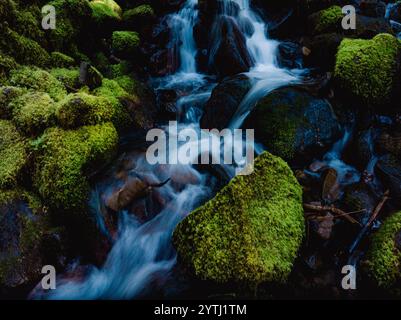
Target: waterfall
x=142, y=256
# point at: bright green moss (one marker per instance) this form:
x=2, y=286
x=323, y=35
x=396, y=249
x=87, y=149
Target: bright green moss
x=22, y=49
x=83, y=109
x=13, y=154
x=367, y=69
x=61, y=60
x=250, y=232
x=384, y=256
x=125, y=43
x=105, y=9
x=68, y=77
x=64, y=158
x=120, y=69
x=328, y=20
x=28, y=24
x=7, y=95
x=33, y=112
x=39, y=80
x=143, y=10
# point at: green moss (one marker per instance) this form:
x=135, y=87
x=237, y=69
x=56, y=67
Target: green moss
x=68, y=77
x=125, y=43
x=83, y=109
x=39, y=80
x=22, y=49
x=105, y=9
x=8, y=10
x=384, y=256
x=7, y=95
x=28, y=24
x=33, y=112
x=6, y=65
x=61, y=60
x=327, y=20
x=367, y=69
x=143, y=10
x=250, y=232
x=64, y=159
x=120, y=69
x=13, y=156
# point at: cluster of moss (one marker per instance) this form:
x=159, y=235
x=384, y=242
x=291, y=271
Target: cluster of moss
x=81, y=109
x=327, y=20
x=64, y=156
x=13, y=154
x=33, y=112
x=68, y=77
x=105, y=10
x=250, y=232
x=143, y=10
x=37, y=79
x=6, y=65
x=125, y=43
x=61, y=60
x=384, y=256
x=367, y=69
x=7, y=95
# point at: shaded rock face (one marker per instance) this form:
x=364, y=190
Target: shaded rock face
x=289, y=55
x=293, y=124
x=388, y=169
x=224, y=102
x=250, y=232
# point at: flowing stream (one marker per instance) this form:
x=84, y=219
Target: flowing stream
x=142, y=256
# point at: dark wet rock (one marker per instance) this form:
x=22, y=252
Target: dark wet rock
x=164, y=62
x=89, y=76
x=368, y=27
x=293, y=124
x=224, y=102
x=372, y=8
x=388, y=169
x=395, y=12
x=390, y=143
x=166, y=100
x=289, y=55
x=359, y=196
x=323, y=49
x=22, y=234
x=229, y=56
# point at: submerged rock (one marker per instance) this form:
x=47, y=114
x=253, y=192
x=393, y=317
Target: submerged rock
x=250, y=232
x=224, y=102
x=292, y=124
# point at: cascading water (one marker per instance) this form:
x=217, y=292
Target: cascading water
x=143, y=254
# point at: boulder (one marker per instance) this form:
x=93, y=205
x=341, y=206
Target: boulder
x=293, y=124
x=250, y=232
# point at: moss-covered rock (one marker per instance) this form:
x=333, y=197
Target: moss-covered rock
x=13, y=155
x=293, y=124
x=7, y=95
x=139, y=17
x=22, y=229
x=66, y=157
x=250, y=232
x=103, y=10
x=327, y=20
x=6, y=65
x=366, y=70
x=33, y=112
x=39, y=80
x=81, y=109
x=125, y=43
x=68, y=77
x=384, y=256
x=23, y=49
x=61, y=60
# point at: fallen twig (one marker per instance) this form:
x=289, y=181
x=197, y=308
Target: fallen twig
x=379, y=208
x=336, y=211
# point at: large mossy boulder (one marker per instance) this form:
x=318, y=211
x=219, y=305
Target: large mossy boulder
x=23, y=230
x=13, y=154
x=383, y=261
x=293, y=124
x=327, y=20
x=125, y=43
x=66, y=157
x=367, y=70
x=33, y=112
x=250, y=232
x=39, y=80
